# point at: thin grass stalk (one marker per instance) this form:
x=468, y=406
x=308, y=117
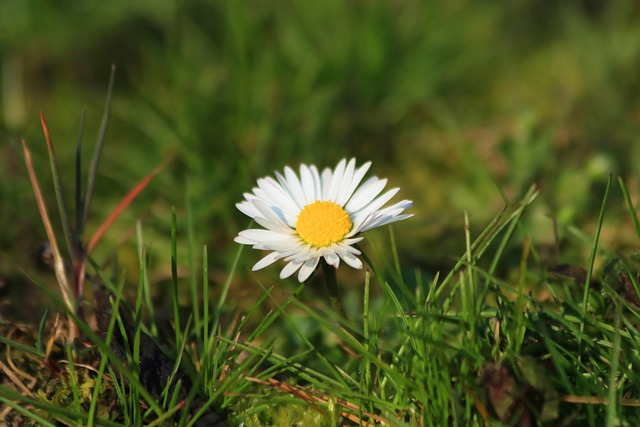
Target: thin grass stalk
x=482, y=242
x=193, y=286
x=592, y=259
x=93, y=169
x=24, y=411
x=468, y=285
x=73, y=379
x=72, y=246
x=222, y=299
x=205, y=298
x=400, y=311
x=174, y=276
x=146, y=288
x=122, y=395
x=122, y=205
x=58, y=261
x=78, y=187
x=519, y=329
x=41, y=327
x=613, y=407
x=365, y=331
x=632, y=210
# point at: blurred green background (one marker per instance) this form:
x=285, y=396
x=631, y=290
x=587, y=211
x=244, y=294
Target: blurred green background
x=455, y=102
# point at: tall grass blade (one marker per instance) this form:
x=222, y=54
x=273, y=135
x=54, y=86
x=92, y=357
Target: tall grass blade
x=191, y=255
x=93, y=169
x=78, y=192
x=174, y=277
x=58, y=261
x=632, y=210
x=592, y=259
x=72, y=246
x=612, y=407
x=126, y=200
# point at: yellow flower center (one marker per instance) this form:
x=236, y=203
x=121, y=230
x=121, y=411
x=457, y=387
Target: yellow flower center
x=322, y=223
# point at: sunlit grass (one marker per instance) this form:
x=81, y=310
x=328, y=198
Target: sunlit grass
x=460, y=349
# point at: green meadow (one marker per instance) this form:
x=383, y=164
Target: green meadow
x=129, y=131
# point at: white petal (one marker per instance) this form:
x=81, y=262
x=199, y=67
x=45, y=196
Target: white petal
x=293, y=188
x=383, y=220
x=325, y=179
x=308, y=185
x=270, y=218
x=365, y=194
x=248, y=209
x=289, y=269
x=290, y=244
x=344, y=191
x=317, y=182
x=274, y=194
x=302, y=254
x=374, y=205
x=268, y=260
x=355, y=181
x=347, y=246
x=385, y=216
x=260, y=235
x=332, y=259
x=351, y=260
x=336, y=180
x=307, y=268
x=243, y=240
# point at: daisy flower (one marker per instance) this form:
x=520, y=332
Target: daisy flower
x=316, y=215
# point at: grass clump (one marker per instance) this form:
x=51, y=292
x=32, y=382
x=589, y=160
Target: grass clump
x=550, y=344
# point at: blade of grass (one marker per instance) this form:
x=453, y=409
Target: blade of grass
x=11, y=398
x=78, y=192
x=126, y=200
x=24, y=411
x=482, y=242
x=73, y=379
x=174, y=276
x=41, y=326
x=143, y=271
x=191, y=250
x=225, y=287
x=592, y=259
x=632, y=210
x=612, y=406
x=205, y=299
x=58, y=261
x=93, y=169
x=72, y=246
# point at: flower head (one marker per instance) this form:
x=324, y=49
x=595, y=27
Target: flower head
x=316, y=215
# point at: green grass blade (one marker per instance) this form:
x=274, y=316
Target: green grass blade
x=612, y=406
x=74, y=381
x=174, y=276
x=78, y=192
x=95, y=161
x=191, y=255
x=72, y=244
x=632, y=210
x=592, y=258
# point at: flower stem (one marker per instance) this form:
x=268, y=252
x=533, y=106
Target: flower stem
x=333, y=291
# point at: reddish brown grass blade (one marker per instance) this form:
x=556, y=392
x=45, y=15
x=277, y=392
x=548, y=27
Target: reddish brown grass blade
x=57, y=258
x=122, y=206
